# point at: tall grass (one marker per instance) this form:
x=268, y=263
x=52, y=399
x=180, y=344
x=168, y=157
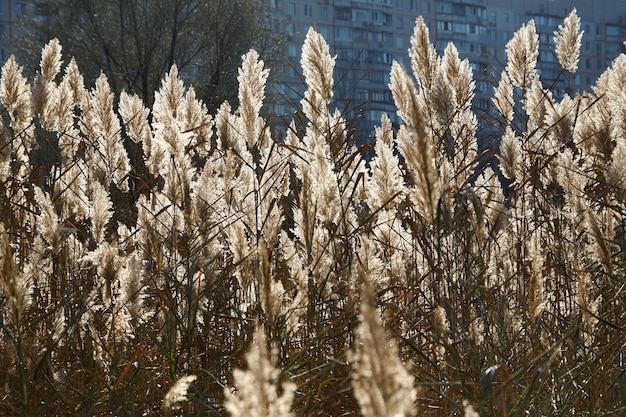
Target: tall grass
x=168, y=261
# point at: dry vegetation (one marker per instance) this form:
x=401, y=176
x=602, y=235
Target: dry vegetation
x=164, y=260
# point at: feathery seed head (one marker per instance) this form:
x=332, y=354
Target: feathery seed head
x=177, y=395
x=71, y=186
x=50, y=64
x=63, y=108
x=568, y=39
x=459, y=75
x=386, y=182
x=424, y=58
x=76, y=82
x=252, y=78
x=257, y=392
x=15, y=94
x=8, y=276
x=616, y=169
x=198, y=122
x=101, y=211
x=536, y=103
x=382, y=385
x=403, y=91
x=442, y=100
x=522, y=51
x=49, y=225
x=468, y=410
x=168, y=100
x=317, y=67
x=510, y=154
x=40, y=98
x=111, y=160
x=135, y=117
x=561, y=118
x=440, y=320
x=615, y=91
x=416, y=146
x=317, y=63
x=503, y=98
x=384, y=133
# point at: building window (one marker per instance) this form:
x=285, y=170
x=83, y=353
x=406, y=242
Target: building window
x=380, y=95
x=546, y=56
x=612, y=30
x=399, y=42
x=443, y=7
x=492, y=18
x=343, y=33
x=376, y=115
x=505, y=18
x=291, y=29
x=308, y=10
x=293, y=51
x=399, y=23
x=413, y=4
x=345, y=54
x=343, y=13
x=387, y=19
x=483, y=87
x=361, y=95
x=291, y=9
x=379, y=57
x=518, y=20
x=398, y=4
x=387, y=39
x=378, y=76
x=323, y=12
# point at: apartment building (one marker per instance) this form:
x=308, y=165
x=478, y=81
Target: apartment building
x=10, y=11
x=367, y=35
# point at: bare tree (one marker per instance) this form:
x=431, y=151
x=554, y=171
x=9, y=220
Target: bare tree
x=136, y=41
